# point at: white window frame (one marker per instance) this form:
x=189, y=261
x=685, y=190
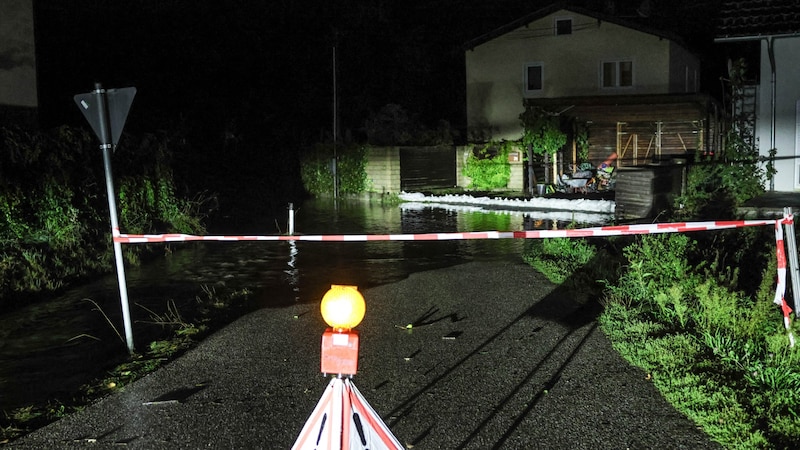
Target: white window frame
x=526, y=84
x=556, y=21
x=617, y=66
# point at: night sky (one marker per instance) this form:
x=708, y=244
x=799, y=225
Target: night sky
x=267, y=66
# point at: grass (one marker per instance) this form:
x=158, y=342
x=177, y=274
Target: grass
x=720, y=355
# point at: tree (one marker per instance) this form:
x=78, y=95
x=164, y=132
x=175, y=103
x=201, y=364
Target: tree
x=541, y=135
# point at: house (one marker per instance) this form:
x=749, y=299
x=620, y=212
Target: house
x=636, y=89
x=18, y=90
x=774, y=27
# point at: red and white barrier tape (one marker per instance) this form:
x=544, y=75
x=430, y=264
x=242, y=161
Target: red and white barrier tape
x=617, y=230
x=780, y=290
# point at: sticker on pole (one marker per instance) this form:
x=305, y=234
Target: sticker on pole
x=119, y=103
x=343, y=419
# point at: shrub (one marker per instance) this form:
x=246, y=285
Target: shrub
x=54, y=224
x=488, y=167
x=317, y=174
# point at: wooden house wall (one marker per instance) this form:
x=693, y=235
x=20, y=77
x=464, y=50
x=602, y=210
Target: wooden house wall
x=689, y=124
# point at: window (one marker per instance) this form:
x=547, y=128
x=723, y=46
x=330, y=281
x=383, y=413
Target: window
x=533, y=78
x=617, y=74
x=563, y=26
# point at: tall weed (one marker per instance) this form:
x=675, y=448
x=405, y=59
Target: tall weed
x=54, y=225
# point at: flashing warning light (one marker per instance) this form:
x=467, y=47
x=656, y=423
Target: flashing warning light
x=343, y=307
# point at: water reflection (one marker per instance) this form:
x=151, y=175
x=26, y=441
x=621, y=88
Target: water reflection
x=51, y=348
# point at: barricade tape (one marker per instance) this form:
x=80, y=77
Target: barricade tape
x=780, y=289
x=615, y=230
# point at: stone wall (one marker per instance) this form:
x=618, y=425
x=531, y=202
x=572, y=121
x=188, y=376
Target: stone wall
x=383, y=169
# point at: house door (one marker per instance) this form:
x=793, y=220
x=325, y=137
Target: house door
x=425, y=168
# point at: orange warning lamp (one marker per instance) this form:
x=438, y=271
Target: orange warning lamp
x=342, y=308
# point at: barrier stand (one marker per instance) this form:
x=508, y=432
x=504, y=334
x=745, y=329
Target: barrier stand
x=794, y=267
x=291, y=219
x=342, y=418
x=780, y=289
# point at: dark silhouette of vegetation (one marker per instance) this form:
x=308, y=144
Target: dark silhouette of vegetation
x=54, y=224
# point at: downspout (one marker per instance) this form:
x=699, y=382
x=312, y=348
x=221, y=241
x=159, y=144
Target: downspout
x=772, y=131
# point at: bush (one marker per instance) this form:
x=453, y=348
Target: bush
x=488, y=167
x=317, y=174
x=55, y=226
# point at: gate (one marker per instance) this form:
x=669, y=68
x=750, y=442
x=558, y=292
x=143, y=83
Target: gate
x=425, y=168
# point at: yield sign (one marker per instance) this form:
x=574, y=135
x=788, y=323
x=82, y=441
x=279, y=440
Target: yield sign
x=343, y=420
x=115, y=103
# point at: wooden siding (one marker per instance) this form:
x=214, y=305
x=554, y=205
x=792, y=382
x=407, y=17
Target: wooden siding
x=643, y=192
x=631, y=126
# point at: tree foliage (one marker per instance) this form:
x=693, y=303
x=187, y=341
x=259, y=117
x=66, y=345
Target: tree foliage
x=542, y=131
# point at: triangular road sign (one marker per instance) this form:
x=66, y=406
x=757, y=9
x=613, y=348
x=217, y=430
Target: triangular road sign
x=343, y=420
x=119, y=103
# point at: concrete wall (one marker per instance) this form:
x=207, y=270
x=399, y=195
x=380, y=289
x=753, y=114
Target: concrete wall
x=517, y=181
x=383, y=169
x=787, y=111
x=462, y=154
x=17, y=54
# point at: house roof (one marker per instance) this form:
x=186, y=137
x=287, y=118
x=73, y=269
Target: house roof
x=756, y=19
x=558, y=6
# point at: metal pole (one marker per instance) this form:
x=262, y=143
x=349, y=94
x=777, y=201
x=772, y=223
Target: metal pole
x=335, y=129
x=291, y=219
x=794, y=267
x=773, y=104
x=105, y=146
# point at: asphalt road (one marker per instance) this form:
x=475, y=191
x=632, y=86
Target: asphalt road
x=497, y=357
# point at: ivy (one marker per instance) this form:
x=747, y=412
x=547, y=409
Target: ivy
x=542, y=131
x=488, y=167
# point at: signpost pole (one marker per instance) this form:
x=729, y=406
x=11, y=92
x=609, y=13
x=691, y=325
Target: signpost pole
x=106, y=146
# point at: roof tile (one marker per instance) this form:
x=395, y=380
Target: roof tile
x=740, y=18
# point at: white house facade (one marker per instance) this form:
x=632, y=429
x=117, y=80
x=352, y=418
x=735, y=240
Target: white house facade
x=567, y=52
x=785, y=137
x=775, y=25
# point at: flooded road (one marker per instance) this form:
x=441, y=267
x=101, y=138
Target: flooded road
x=50, y=349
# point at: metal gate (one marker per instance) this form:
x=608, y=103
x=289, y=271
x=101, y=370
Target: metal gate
x=425, y=168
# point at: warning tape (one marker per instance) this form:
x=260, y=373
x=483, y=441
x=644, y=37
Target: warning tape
x=780, y=289
x=616, y=230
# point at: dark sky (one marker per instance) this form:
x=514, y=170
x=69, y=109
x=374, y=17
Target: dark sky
x=269, y=64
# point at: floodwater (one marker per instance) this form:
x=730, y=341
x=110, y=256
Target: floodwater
x=50, y=349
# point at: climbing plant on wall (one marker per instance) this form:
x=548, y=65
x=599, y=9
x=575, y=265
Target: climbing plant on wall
x=542, y=134
x=488, y=167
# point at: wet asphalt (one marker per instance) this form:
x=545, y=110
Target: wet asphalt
x=497, y=358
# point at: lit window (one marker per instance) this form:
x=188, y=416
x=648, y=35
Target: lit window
x=617, y=74
x=563, y=26
x=533, y=77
